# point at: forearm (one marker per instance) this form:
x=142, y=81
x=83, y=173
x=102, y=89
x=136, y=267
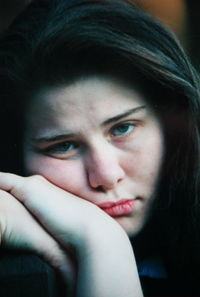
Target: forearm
x=107, y=266
x=106, y=263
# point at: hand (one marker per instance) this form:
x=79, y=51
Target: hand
x=20, y=230
x=106, y=263
x=63, y=214
x=38, y=216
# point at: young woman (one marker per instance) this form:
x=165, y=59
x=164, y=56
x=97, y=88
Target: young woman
x=100, y=117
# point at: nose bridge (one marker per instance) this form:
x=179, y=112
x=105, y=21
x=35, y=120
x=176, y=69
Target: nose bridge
x=103, y=166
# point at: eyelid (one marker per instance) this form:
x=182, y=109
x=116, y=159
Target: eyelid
x=50, y=148
x=48, y=143
x=45, y=146
x=133, y=123
x=124, y=122
x=58, y=154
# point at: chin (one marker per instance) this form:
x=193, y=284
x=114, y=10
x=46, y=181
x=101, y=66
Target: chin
x=130, y=225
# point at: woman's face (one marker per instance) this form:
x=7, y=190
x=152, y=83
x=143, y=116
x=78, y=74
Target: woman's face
x=100, y=141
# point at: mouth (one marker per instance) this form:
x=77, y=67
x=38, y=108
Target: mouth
x=119, y=208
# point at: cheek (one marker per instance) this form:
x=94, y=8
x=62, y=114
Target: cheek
x=68, y=175
x=144, y=161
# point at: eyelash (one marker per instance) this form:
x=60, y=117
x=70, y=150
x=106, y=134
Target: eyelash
x=122, y=125
x=57, y=149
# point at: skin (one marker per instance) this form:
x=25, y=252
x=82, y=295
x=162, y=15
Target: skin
x=105, y=160
x=94, y=157
x=62, y=220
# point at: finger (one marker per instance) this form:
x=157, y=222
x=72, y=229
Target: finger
x=35, y=192
x=60, y=212
x=19, y=229
x=14, y=184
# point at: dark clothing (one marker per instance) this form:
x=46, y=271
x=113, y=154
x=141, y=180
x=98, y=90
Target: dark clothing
x=169, y=288
x=26, y=275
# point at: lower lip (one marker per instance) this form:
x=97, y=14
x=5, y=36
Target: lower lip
x=123, y=208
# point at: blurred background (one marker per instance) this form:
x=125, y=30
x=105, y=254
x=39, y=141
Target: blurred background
x=182, y=16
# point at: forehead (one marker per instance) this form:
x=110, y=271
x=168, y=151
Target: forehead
x=85, y=95
x=85, y=103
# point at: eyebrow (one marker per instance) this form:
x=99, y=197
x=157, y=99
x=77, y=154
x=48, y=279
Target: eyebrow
x=123, y=115
x=52, y=138
x=63, y=136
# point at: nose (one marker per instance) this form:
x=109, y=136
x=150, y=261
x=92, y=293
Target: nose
x=103, y=168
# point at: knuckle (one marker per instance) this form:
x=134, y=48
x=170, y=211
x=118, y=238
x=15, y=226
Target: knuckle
x=34, y=179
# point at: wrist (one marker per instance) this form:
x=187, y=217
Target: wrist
x=100, y=230
x=106, y=261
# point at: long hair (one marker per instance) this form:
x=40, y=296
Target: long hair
x=56, y=42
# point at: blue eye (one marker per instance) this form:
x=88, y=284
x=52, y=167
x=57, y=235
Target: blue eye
x=122, y=129
x=62, y=147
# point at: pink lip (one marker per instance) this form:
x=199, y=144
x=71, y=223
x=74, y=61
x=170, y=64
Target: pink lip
x=121, y=207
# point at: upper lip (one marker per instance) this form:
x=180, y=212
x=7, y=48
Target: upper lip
x=109, y=204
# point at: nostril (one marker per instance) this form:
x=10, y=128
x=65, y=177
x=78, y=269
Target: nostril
x=100, y=189
x=119, y=180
